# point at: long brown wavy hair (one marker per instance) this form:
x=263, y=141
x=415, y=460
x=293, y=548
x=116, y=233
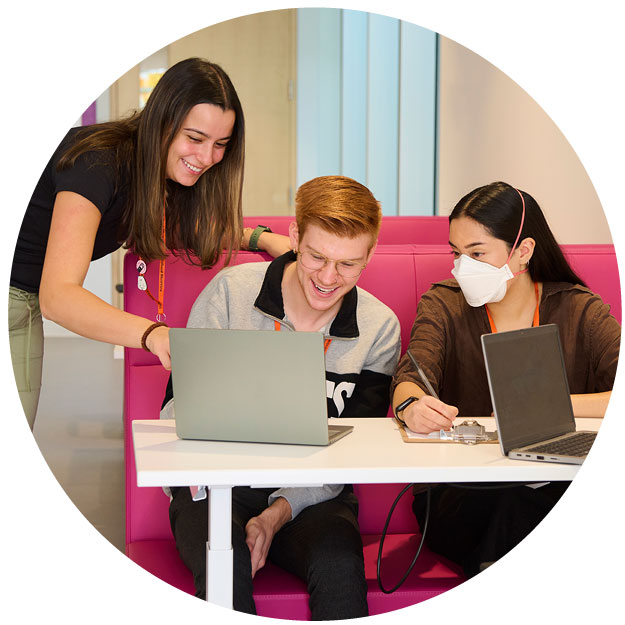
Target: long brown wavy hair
x=203, y=219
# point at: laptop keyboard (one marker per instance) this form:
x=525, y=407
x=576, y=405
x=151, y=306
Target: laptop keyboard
x=578, y=445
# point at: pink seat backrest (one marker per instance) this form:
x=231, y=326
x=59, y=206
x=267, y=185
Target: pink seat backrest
x=597, y=266
x=395, y=230
x=398, y=275
x=390, y=276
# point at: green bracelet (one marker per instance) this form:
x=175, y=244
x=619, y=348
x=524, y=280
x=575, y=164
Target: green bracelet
x=252, y=245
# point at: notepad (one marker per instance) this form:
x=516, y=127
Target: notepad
x=442, y=436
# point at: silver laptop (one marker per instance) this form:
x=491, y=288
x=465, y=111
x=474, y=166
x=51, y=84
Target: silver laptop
x=251, y=386
x=530, y=395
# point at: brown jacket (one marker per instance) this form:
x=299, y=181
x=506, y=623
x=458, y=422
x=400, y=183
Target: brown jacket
x=446, y=333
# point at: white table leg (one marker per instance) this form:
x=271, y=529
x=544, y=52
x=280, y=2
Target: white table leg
x=219, y=554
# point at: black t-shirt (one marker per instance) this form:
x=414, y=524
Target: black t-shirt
x=95, y=177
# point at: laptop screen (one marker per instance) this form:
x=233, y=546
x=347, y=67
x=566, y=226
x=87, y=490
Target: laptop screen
x=528, y=385
x=255, y=386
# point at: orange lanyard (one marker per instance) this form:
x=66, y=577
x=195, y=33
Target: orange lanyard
x=326, y=343
x=143, y=286
x=535, y=322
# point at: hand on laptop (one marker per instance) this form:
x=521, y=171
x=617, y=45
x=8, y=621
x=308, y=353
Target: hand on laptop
x=261, y=529
x=429, y=415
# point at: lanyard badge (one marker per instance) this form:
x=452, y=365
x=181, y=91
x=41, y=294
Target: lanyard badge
x=142, y=284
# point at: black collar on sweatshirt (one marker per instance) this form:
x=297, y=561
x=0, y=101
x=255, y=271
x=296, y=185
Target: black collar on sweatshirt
x=270, y=302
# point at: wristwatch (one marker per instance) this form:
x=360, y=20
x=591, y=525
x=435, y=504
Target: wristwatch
x=252, y=245
x=403, y=406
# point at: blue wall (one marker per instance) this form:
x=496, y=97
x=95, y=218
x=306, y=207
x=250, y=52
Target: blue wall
x=366, y=105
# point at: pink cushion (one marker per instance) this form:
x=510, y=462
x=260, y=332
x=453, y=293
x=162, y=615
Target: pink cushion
x=431, y=575
x=279, y=594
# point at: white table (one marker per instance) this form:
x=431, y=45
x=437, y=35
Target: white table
x=373, y=453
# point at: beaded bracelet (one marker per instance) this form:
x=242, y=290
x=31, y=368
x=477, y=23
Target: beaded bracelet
x=147, y=332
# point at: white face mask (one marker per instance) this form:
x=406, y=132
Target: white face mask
x=480, y=282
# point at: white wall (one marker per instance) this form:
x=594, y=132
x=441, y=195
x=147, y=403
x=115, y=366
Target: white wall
x=490, y=129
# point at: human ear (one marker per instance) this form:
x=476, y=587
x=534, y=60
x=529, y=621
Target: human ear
x=371, y=252
x=526, y=250
x=294, y=235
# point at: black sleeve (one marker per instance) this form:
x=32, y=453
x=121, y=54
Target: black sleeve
x=93, y=176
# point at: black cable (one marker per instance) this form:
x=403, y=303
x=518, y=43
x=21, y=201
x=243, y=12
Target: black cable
x=423, y=532
x=490, y=486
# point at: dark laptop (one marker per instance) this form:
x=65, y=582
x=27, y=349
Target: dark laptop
x=530, y=395
x=253, y=386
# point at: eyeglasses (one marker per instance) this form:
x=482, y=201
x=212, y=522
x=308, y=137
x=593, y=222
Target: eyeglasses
x=345, y=268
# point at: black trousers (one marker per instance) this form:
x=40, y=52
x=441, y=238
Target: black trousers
x=321, y=546
x=477, y=526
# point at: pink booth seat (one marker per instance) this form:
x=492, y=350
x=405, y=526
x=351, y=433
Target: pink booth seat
x=395, y=230
x=398, y=275
x=597, y=266
x=279, y=594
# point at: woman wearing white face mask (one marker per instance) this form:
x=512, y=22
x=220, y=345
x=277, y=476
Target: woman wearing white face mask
x=509, y=273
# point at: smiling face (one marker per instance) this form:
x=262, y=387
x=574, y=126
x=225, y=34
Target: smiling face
x=324, y=288
x=199, y=144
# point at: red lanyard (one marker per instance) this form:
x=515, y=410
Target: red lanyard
x=326, y=343
x=535, y=322
x=143, y=285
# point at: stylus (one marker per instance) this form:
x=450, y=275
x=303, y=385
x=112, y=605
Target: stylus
x=431, y=391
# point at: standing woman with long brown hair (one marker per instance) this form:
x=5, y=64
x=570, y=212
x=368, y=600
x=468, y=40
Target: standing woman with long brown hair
x=167, y=178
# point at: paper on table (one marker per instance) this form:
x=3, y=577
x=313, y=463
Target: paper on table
x=431, y=436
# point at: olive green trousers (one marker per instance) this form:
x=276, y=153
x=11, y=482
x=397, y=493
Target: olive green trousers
x=26, y=342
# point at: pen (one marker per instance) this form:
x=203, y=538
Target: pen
x=422, y=375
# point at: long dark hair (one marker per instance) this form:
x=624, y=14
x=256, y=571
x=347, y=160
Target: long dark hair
x=498, y=207
x=203, y=219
